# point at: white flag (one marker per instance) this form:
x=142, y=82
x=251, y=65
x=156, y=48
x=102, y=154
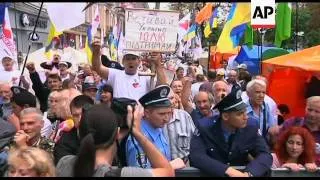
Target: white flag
x=66, y=15
x=7, y=43
x=95, y=21
x=183, y=27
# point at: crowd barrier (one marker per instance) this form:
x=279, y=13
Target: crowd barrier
x=279, y=172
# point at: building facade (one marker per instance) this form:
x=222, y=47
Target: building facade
x=23, y=17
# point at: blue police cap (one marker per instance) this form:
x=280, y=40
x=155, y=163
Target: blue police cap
x=158, y=97
x=232, y=102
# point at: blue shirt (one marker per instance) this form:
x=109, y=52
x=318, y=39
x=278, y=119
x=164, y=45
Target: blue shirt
x=226, y=133
x=196, y=115
x=156, y=136
x=208, y=121
x=257, y=119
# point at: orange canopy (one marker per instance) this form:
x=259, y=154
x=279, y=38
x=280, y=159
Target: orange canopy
x=217, y=57
x=288, y=75
x=307, y=59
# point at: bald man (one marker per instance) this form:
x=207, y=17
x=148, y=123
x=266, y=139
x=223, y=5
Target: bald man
x=6, y=95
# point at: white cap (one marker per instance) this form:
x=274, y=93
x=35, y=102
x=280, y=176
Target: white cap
x=242, y=66
x=89, y=79
x=220, y=72
x=63, y=62
x=135, y=53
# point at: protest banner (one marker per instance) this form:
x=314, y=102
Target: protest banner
x=151, y=30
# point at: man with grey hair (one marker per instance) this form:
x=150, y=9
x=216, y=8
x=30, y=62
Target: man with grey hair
x=31, y=122
x=220, y=89
x=232, y=79
x=5, y=105
x=259, y=114
x=267, y=99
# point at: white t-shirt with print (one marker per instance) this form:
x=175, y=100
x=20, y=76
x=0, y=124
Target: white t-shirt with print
x=12, y=77
x=128, y=86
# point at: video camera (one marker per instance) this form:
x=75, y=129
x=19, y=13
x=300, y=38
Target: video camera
x=119, y=107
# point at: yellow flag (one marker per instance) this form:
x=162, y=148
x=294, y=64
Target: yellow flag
x=50, y=43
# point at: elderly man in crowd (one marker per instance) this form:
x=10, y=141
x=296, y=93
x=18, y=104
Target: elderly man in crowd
x=6, y=107
x=179, y=130
x=259, y=113
x=203, y=102
x=31, y=123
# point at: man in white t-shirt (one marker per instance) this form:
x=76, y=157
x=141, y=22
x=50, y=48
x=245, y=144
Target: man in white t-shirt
x=127, y=83
x=8, y=74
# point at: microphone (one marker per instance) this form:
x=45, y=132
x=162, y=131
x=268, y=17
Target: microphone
x=64, y=126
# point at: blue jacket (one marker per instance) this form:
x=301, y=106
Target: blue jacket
x=210, y=153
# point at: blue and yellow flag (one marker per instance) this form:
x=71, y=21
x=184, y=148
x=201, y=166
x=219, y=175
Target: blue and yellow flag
x=114, y=49
x=212, y=23
x=235, y=27
x=53, y=34
x=191, y=33
x=88, y=47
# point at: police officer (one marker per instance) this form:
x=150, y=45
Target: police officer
x=230, y=142
x=156, y=114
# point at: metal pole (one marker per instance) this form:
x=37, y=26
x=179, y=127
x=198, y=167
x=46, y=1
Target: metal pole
x=296, y=35
x=209, y=59
x=17, y=39
x=261, y=39
x=34, y=30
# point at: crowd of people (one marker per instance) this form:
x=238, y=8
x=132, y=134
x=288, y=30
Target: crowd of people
x=130, y=119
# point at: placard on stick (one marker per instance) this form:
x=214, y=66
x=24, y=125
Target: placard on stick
x=151, y=30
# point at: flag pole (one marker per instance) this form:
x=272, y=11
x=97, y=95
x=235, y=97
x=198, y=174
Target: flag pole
x=296, y=29
x=17, y=39
x=261, y=44
x=33, y=32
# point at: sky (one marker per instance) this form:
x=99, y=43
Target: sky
x=163, y=5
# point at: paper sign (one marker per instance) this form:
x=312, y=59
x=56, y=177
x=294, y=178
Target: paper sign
x=151, y=30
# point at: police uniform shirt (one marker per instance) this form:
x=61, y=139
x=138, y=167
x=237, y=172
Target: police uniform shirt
x=212, y=152
x=156, y=136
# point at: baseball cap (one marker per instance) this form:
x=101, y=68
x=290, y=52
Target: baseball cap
x=135, y=53
x=220, y=72
x=89, y=83
x=65, y=63
x=242, y=66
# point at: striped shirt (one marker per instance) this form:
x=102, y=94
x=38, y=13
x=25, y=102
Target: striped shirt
x=179, y=131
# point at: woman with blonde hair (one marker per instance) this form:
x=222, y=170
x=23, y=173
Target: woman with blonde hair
x=30, y=162
x=60, y=109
